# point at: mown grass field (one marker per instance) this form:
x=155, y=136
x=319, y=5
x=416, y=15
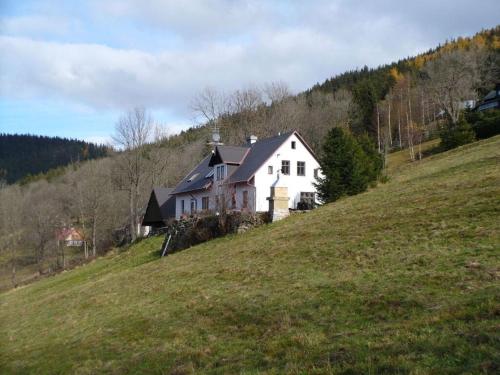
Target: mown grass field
x=401, y=279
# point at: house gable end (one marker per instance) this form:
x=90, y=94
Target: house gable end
x=246, y=172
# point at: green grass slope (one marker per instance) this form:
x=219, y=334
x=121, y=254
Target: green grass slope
x=401, y=279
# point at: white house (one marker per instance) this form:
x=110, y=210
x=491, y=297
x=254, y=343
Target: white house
x=240, y=177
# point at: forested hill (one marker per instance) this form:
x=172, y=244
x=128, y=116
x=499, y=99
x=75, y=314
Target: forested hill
x=24, y=155
x=382, y=78
x=370, y=86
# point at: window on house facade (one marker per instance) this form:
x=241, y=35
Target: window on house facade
x=245, y=199
x=269, y=169
x=194, y=205
x=306, y=200
x=221, y=172
x=293, y=145
x=233, y=201
x=183, y=209
x=301, y=168
x=204, y=203
x=285, y=166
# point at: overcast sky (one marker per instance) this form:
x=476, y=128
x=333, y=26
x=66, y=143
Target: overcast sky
x=70, y=68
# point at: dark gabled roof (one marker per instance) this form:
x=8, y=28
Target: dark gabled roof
x=161, y=207
x=196, y=179
x=491, y=95
x=258, y=154
x=246, y=161
x=228, y=155
x=162, y=194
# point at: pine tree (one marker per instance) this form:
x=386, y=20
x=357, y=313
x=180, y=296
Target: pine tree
x=373, y=160
x=454, y=135
x=342, y=166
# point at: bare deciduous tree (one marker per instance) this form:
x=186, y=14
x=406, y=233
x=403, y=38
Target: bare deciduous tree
x=277, y=91
x=132, y=134
x=452, y=79
x=11, y=228
x=210, y=104
x=43, y=215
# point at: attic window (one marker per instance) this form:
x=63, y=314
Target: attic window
x=221, y=172
x=293, y=145
x=192, y=177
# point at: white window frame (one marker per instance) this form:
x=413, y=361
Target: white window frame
x=304, y=166
x=288, y=166
x=221, y=172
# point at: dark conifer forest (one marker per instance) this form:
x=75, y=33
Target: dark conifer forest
x=29, y=155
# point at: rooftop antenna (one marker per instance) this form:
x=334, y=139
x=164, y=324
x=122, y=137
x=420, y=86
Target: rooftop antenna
x=215, y=135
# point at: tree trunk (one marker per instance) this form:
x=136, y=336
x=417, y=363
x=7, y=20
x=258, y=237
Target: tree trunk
x=399, y=118
x=13, y=274
x=389, y=120
x=378, y=128
x=39, y=259
x=422, y=128
x=61, y=251
x=408, y=136
x=132, y=216
x=410, y=126
x=94, y=230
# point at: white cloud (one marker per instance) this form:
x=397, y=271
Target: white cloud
x=104, y=77
x=200, y=19
x=224, y=43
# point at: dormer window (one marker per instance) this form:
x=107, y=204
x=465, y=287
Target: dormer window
x=293, y=145
x=190, y=179
x=220, y=172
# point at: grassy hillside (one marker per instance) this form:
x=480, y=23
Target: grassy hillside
x=403, y=278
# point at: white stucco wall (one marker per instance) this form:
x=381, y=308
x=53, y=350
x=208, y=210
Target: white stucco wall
x=296, y=184
x=258, y=192
x=187, y=202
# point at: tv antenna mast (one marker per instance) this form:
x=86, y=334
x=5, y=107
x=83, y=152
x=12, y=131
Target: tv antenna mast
x=215, y=135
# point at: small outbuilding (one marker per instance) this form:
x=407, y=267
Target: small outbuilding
x=70, y=237
x=160, y=209
x=490, y=101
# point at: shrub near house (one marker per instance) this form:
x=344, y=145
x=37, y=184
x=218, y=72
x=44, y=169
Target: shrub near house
x=348, y=165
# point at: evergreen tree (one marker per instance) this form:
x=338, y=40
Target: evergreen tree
x=373, y=160
x=22, y=156
x=454, y=135
x=342, y=164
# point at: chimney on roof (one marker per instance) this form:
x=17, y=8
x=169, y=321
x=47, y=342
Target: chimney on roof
x=251, y=140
